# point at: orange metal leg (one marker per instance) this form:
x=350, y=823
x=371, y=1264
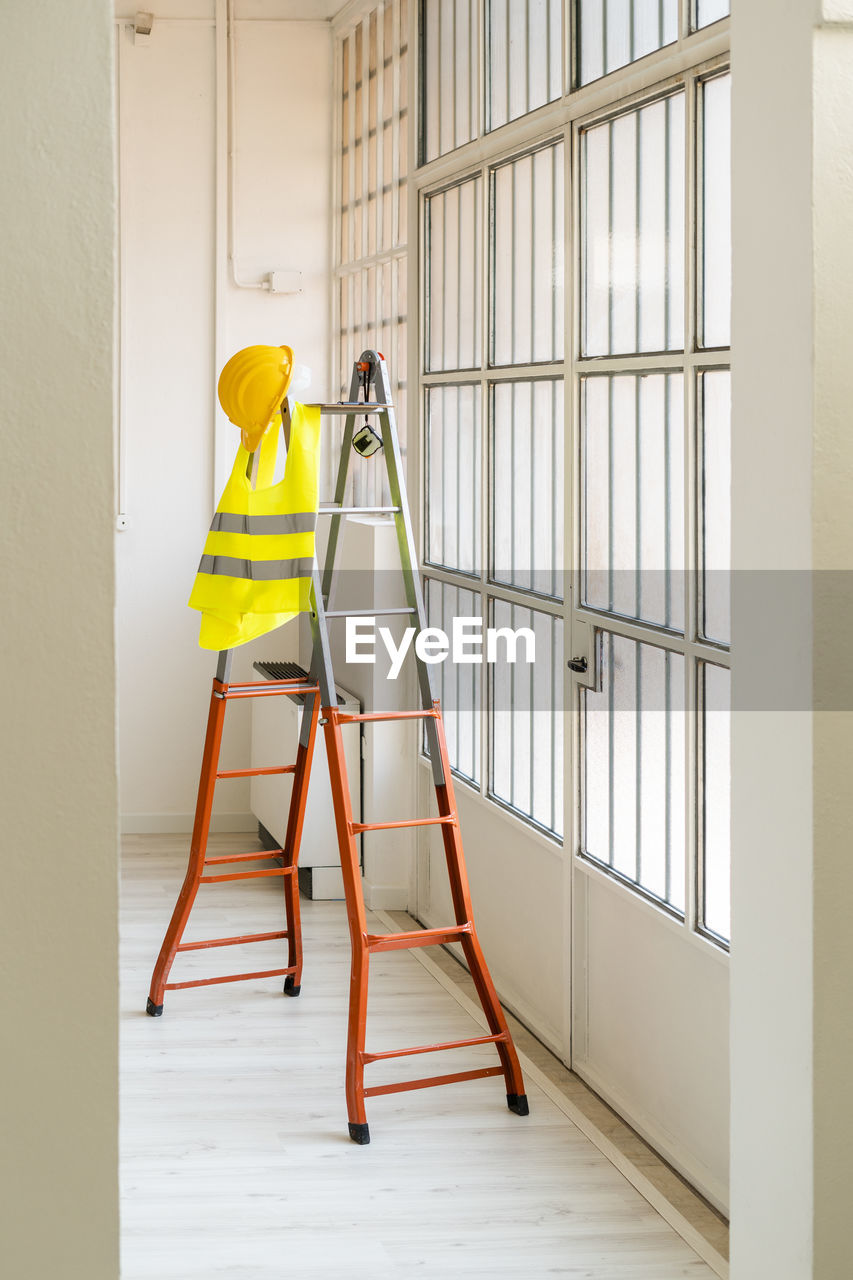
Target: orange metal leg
x=359, y=972
x=198, y=860
x=198, y=848
x=363, y=944
x=292, y=842
x=461, y=896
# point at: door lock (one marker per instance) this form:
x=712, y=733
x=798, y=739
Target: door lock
x=578, y=664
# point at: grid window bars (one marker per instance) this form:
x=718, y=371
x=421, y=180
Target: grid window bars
x=644, y=350
x=527, y=259
x=525, y=62
x=372, y=166
x=633, y=231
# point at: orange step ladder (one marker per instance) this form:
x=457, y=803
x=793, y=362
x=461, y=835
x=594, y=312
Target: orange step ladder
x=197, y=868
x=321, y=707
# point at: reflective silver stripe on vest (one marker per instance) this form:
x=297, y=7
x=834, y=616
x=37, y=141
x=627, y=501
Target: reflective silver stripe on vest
x=257, y=570
x=229, y=522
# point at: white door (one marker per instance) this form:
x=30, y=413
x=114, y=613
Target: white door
x=650, y=618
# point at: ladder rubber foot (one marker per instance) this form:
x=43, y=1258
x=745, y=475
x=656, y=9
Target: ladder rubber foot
x=359, y=1133
x=290, y=989
x=153, y=1010
x=517, y=1102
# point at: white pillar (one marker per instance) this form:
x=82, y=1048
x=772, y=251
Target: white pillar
x=58, y=953
x=792, y=955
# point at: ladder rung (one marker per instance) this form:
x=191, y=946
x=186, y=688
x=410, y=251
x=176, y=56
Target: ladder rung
x=434, y=1048
x=243, y=857
x=416, y=938
x=428, y=1081
x=352, y=406
x=230, y=977
x=230, y=942
x=366, y=613
x=248, y=875
x=357, y=511
x=267, y=689
x=255, y=773
x=387, y=715
x=357, y=827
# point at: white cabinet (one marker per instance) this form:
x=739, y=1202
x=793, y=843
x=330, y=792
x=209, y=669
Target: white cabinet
x=275, y=735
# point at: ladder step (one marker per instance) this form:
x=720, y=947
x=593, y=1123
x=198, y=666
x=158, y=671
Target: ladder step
x=357, y=511
x=229, y=977
x=416, y=938
x=244, y=857
x=248, y=875
x=267, y=689
x=255, y=773
x=231, y=942
x=366, y=613
x=365, y=716
x=429, y=1081
x=357, y=827
x=352, y=406
x=434, y=1048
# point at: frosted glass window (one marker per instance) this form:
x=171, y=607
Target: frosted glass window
x=632, y=443
x=450, y=74
x=527, y=258
x=633, y=231
x=453, y=271
x=612, y=33
x=453, y=477
x=716, y=212
x=373, y=168
x=525, y=44
x=634, y=767
x=526, y=730
x=527, y=485
x=708, y=11
x=458, y=684
x=716, y=801
x=716, y=505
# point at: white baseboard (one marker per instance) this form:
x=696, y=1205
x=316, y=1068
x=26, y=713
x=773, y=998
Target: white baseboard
x=166, y=824
x=385, y=897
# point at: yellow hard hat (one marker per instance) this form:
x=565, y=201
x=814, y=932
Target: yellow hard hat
x=252, y=386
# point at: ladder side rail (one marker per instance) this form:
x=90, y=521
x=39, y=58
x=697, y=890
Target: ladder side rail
x=408, y=553
x=340, y=491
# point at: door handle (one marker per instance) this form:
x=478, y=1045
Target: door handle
x=579, y=665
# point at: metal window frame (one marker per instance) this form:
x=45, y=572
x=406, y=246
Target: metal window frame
x=697, y=54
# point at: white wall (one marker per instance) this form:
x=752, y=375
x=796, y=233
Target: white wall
x=58, y=952
x=792, y=956
x=183, y=317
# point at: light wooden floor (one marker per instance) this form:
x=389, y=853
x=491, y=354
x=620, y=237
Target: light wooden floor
x=235, y=1156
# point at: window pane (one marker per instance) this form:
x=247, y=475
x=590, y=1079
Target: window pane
x=612, y=33
x=634, y=810
x=716, y=801
x=526, y=718
x=633, y=231
x=527, y=485
x=450, y=74
x=527, y=259
x=458, y=683
x=453, y=277
x=525, y=42
x=716, y=505
x=709, y=11
x=717, y=213
x=453, y=477
x=632, y=446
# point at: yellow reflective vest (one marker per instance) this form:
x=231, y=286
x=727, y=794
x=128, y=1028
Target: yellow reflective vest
x=255, y=572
